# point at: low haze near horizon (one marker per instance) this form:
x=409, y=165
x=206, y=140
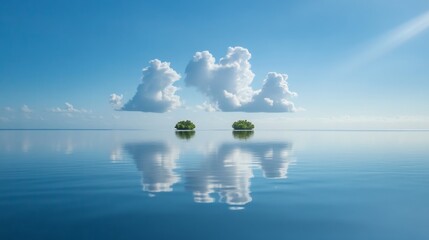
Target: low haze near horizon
x=282, y=65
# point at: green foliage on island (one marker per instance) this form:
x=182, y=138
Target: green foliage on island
x=185, y=125
x=242, y=135
x=186, y=135
x=243, y=125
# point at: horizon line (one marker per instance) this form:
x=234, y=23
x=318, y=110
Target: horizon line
x=218, y=129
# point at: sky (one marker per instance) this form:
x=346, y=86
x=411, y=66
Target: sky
x=148, y=64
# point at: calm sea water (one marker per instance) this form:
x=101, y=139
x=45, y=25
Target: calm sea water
x=214, y=185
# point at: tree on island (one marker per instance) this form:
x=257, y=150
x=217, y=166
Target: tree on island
x=243, y=125
x=185, y=125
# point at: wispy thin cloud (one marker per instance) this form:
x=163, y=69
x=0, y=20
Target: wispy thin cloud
x=8, y=109
x=69, y=108
x=70, y=111
x=26, y=109
x=391, y=40
x=4, y=119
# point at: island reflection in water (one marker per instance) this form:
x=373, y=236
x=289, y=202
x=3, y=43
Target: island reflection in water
x=242, y=135
x=185, y=134
x=221, y=174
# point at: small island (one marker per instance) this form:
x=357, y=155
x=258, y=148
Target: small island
x=185, y=125
x=243, y=125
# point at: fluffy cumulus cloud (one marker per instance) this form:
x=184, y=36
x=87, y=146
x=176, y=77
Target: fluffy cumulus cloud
x=227, y=84
x=273, y=97
x=116, y=100
x=156, y=93
x=208, y=107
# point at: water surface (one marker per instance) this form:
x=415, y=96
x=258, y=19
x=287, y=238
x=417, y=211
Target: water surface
x=214, y=185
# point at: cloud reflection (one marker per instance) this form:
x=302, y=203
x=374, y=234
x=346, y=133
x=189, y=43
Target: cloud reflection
x=28, y=141
x=227, y=172
x=222, y=175
x=157, y=162
x=229, y=169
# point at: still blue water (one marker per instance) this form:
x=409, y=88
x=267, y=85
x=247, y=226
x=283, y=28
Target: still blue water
x=214, y=185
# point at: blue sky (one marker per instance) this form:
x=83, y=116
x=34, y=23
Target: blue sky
x=339, y=57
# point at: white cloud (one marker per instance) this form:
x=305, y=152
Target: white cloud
x=269, y=101
x=156, y=93
x=116, y=100
x=227, y=83
x=402, y=34
x=69, y=108
x=273, y=97
x=208, y=107
x=391, y=40
x=8, y=109
x=4, y=119
x=26, y=109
